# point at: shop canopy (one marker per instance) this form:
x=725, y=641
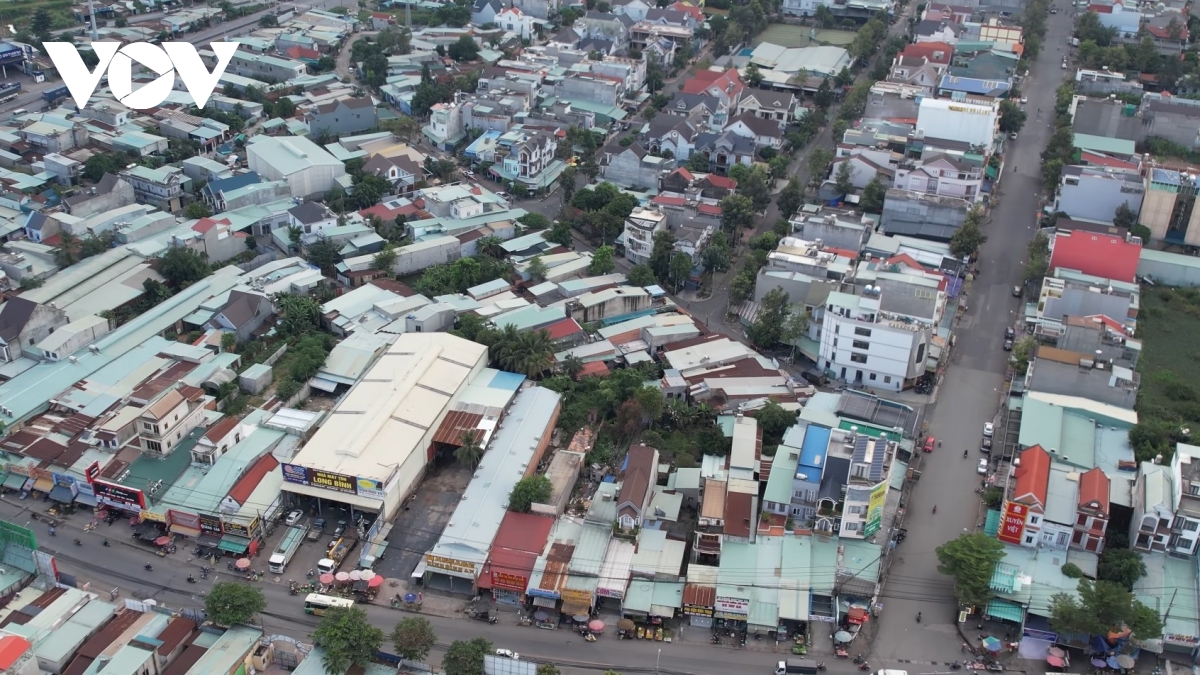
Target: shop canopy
x=61, y=493
x=233, y=544
x=15, y=481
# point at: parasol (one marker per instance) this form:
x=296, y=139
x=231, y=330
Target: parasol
x=626, y=624
x=367, y=575
x=1126, y=661
x=326, y=578
x=355, y=575
x=580, y=618
x=596, y=626
x=540, y=615
x=410, y=597
x=162, y=541
x=342, y=576
x=1056, y=661
x=1099, y=663
x=842, y=636
x=375, y=581
x=243, y=563
x=1112, y=662
x=1055, y=651
x=992, y=644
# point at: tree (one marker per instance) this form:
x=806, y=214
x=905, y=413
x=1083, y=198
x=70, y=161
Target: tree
x=716, y=255
x=67, y=251
x=471, y=451
x=767, y=328
x=385, y=260
x=268, y=21
x=791, y=198
x=347, y=638
x=1012, y=117
x=298, y=314
x=742, y=286
x=737, y=211
x=101, y=163
x=1125, y=217
x=324, y=254
x=754, y=76
x=681, y=268
x=369, y=190
x=41, y=22
x=844, y=178
x=548, y=669
x=228, y=340
x=182, y=266
x=537, y=269
x=968, y=238
x=871, y=199
x=824, y=96
x=572, y=365
x=465, y=49
x=1022, y=352
x=794, y=328
x=534, y=221
x=1102, y=606
x=660, y=254
x=230, y=603
x=529, y=491
x=774, y=421
x=602, y=261
x=1038, y=257
x=196, y=210
x=465, y=657
x=970, y=559
x=640, y=275
x=1121, y=566
x=818, y=165
x=413, y=638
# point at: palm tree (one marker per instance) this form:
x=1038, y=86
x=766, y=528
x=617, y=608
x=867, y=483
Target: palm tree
x=534, y=353
x=67, y=251
x=506, y=351
x=470, y=452
x=491, y=246
x=572, y=365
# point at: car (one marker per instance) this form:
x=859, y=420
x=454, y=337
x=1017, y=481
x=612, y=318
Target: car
x=985, y=446
x=982, y=469
x=1054, y=11
x=929, y=444
x=1013, y=135
x=294, y=517
x=508, y=654
x=341, y=527
x=1024, y=100
x=1064, y=65
x=319, y=524
x=1009, y=333
x=1016, y=291
x=1008, y=345
x=988, y=429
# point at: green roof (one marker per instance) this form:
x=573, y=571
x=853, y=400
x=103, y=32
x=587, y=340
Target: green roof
x=783, y=469
x=147, y=470
x=1104, y=144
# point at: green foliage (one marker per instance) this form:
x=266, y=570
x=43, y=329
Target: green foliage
x=470, y=452
x=737, y=211
x=308, y=356
x=324, y=254
x=1012, y=117
x=528, y=491
x=528, y=352
x=1071, y=571
x=537, y=269
x=197, y=210
x=871, y=199
x=182, y=267
x=767, y=328
x=413, y=638
x=1121, y=566
x=844, y=179
x=641, y=275
x=230, y=603
x=660, y=254
x=103, y=162
x=1102, y=606
x=742, y=286
x=286, y=389
x=464, y=49
x=347, y=638
x=1022, y=351
x=680, y=269
x=969, y=237
x=1126, y=217
x=970, y=559
x=717, y=256
x=774, y=422
x=602, y=261
x=385, y=259
x=534, y=221
x=1037, y=259
x=465, y=657
x=458, y=276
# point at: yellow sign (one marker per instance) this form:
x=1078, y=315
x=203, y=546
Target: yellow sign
x=577, y=597
x=450, y=565
x=331, y=481
x=156, y=517
x=969, y=111
x=875, y=509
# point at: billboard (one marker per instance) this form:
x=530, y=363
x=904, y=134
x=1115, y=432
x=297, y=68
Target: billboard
x=509, y=581
x=371, y=489
x=118, y=495
x=732, y=608
x=211, y=525
x=1012, y=523
x=301, y=475
x=875, y=509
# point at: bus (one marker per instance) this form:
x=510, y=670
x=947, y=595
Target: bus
x=316, y=603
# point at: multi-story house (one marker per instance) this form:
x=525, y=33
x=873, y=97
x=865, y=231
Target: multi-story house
x=1169, y=207
x=445, y=126
x=634, y=9
x=673, y=134
x=1026, y=504
x=866, y=484
x=637, y=486
x=640, y=228
x=725, y=149
x=341, y=117
x=713, y=111
x=1092, y=512
x=633, y=167
x=1159, y=524
x=766, y=133
x=1094, y=193
x=515, y=21
x=726, y=86
x=164, y=423
x=917, y=71
x=779, y=106
x=162, y=188
x=527, y=157
x=402, y=171
x=941, y=175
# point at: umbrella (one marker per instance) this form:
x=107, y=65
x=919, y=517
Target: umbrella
x=410, y=597
x=842, y=636
x=1056, y=661
x=162, y=541
x=342, y=576
x=326, y=578
x=540, y=615
x=1055, y=651
x=1099, y=663
x=367, y=575
x=626, y=624
x=355, y=575
x=375, y=581
x=243, y=563
x=991, y=644
x=580, y=618
x=1126, y=661
x=596, y=626
x=1112, y=662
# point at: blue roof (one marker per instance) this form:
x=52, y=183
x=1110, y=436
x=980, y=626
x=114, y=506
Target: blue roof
x=232, y=183
x=506, y=381
x=816, y=444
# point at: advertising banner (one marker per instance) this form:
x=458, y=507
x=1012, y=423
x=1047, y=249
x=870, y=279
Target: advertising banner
x=697, y=610
x=370, y=488
x=1012, y=523
x=875, y=509
x=211, y=525
x=183, y=519
x=509, y=581
x=732, y=608
x=240, y=530
x=327, y=480
x=118, y=495
x=450, y=565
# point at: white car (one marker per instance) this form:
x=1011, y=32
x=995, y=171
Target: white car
x=1024, y=100
x=988, y=429
x=508, y=654
x=982, y=469
x=294, y=517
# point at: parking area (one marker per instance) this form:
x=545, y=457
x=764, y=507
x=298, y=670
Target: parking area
x=421, y=521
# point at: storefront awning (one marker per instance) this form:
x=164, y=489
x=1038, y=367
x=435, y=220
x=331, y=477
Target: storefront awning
x=61, y=494
x=548, y=603
x=15, y=481
x=233, y=544
x=1005, y=611
x=86, y=500
x=184, y=531
x=43, y=484
x=208, y=540
x=793, y=604
x=573, y=608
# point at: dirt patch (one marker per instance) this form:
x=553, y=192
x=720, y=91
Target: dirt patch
x=419, y=524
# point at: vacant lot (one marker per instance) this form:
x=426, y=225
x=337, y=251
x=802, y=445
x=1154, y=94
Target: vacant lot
x=20, y=12
x=785, y=35
x=1169, y=396
x=837, y=38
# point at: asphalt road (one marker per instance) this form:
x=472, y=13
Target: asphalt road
x=971, y=392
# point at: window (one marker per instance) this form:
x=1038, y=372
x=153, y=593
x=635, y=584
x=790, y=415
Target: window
x=864, y=332
x=859, y=344
x=872, y=376
x=858, y=358
x=1029, y=540
x=153, y=445
x=920, y=353
x=851, y=527
x=887, y=379
x=1190, y=526
x=1063, y=540
x=1034, y=519
x=1194, y=488
x=1081, y=520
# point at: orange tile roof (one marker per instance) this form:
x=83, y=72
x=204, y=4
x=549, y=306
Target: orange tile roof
x=1032, y=477
x=1093, y=490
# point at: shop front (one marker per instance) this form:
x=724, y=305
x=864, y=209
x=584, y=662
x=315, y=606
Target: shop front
x=506, y=584
x=698, y=604
x=65, y=489
x=450, y=574
x=16, y=478
x=43, y=481
x=183, y=524
x=86, y=496
x=248, y=531
x=578, y=595
x=731, y=612
x=112, y=495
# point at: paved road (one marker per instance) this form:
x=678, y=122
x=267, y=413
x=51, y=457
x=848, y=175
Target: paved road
x=970, y=394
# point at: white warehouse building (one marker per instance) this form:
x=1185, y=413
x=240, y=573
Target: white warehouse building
x=973, y=123
x=309, y=169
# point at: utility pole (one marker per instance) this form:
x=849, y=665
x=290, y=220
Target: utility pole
x=92, y=16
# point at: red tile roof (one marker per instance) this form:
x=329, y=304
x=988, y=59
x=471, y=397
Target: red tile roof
x=1099, y=255
x=384, y=212
x=906, y=260
x=205, y=224
x=739, y=508
x=1112, y=324
x=454, y=425
x=689, y=9
x=1032, y=477
x=1093, y=490
x=1101, y=9
x=709, y=209
x=1097, y=159
x=687, y=175
x=936, y=52
x=669, y=201
x=298, y=52
x=722, y=181
x=242, y=489
x=562, y=329
x=596, y=368
x=12, y=647
x=729, y=82
x=221, y=429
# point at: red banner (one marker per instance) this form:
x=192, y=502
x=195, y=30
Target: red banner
x=1012, y=523
x=509, y=581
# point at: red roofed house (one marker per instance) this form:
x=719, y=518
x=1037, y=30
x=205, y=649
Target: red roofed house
x=565, y=334
x=726, y=86
x=214, y=239
x=303, y=53
x=217, y=440
x=637, y=486
x=14, y=649
x=1091, y=514
x=1100, y=255
x=239, y=494
x=519, y=541
x=940, y=53
x=1032, y=480
x=381, y=20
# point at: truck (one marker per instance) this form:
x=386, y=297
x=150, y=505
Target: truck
x=287, y=548
x=337, y=553
x=56, y=94
x=797, y=667
x=9, y=91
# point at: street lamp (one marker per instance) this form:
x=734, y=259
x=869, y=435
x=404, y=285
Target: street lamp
x=656, y=660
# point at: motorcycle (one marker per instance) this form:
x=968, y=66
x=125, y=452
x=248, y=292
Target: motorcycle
x=229, y=565
x=864, y=666
x=148, y=567
x=191, y=579
x=840, y=653
x=590, y=638
x=858, y=658
x=78, y=543
x=918, y=613
x=104, y=543
x=821, y=665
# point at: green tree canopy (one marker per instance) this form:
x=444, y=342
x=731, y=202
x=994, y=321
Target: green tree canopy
x=970, y=559
x=347, y=638
x=774, y=421
x=182, y=266
x=465, y=657
x=969, y=237
x=528, y=491
x=641, y=275
x=1121, y=566
x=413, y=638
x=1102, y=606
x=602, y=261
x=871, y=199
x=767, y=328
x=230, y=603
x=737, y=211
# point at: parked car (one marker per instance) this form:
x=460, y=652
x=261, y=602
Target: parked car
x=982, y=469
x=508, y=654
x=341, y=528
x=988, y=429
x=1008, y=345
x=985, y=446
x=294, y=517
x=1009, y=333
x=1024, y=100
x=1013, y=135
x=929, y=444
x=1016, y=291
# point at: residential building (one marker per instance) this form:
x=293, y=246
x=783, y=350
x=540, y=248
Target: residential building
x=215, y=239
x=917, y=71
x=634, y=9
x=724, y=150
x=513, y=20
x=258, y=66
x=766, y=133
x=309, y=169
x=162, y=188
x=47, y=136
x=1004, y=36
x=637, y=486
x=243, y=314
x=768, y=104
x=341, y=117
x=633, y=167
x=1089, y=193
x=713, y=111
x=484, y=12
x=1168, y=207
x=445, y=128
x=401, y=170
x=1165, y=514
x=942, y=175
x=973, y=123
x=24, y=323
x=1025, y=506
x=922, y=215
x=1098, y=255
x=1092, y=514
x=601, y=90
x=312, y=217
x=671, y=133
x=165, y=422
x=527, y=157
x=539, y=9
x=111, y=193
x=640, y=228
x=724, y=85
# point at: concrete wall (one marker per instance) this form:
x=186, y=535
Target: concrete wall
x=1096, y=198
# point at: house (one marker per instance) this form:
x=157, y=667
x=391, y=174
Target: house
x=538, y=9
x=1100, y=255
x=24, y=323
x=1166, y=504
x=942, y=175
x=633, y=167
x=936, y=11
x=639, y=477
x=606, y=26
x=162, y=188
x=1165, y=201
x=244, y=313
x=779, y=106
x=515, y=21
x=216, y=440
x=1092, y=513
x=165, y=423
x=214, y=192
x=766, y=133
x=926, y=216
x=1169, y=32
x=916, y=71
x=401, y=170
x=937, y=31
x=1088, y=193
x=216, y=240
x=382, y=20
x=308, y=168
x=1116, y=16
x=342, y=117
x=713, y=186
x=937, y=53
x=862, y=170
x=312, y=217
x=640, y=228
x=724, y=85
x=111, y=193
x=634, y=9
x=1026, y=504
x=725, y=149
x=710, y=109
x=484, y=12
x=671, y=134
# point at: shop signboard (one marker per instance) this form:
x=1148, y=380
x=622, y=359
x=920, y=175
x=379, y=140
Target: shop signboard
x=614, y=593
x=1012, y=523
x=875, y=509
x=19, y=469
x=370, y=488
x=732, y=608
x=86, y=490
x=1180, y=639
x=541, y=593
x=240, y=530
x=183, y=519
x=118, y=495
x=67, y=482
x=326, y=480
x=509, y=581
x=450, y=566
x=574, y=596
x=697, y=610
x=211, y=525
x=92, y=472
